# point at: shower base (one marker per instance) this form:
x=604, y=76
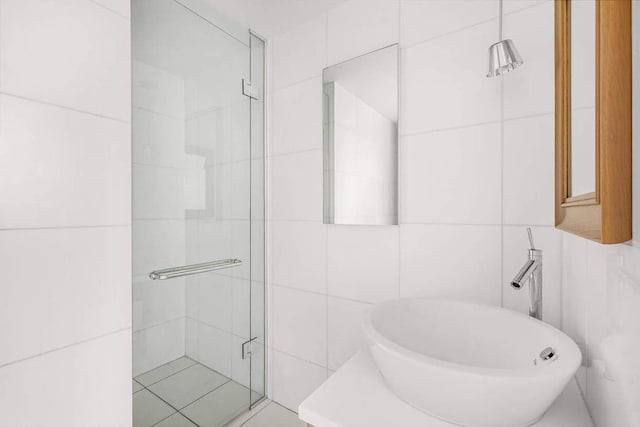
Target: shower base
x=185, y=393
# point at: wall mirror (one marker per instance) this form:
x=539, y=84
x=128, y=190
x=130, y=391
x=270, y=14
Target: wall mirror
x=593, y=118
x=360, y=138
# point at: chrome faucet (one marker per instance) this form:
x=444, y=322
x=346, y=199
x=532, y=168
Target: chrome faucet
x=531, y=271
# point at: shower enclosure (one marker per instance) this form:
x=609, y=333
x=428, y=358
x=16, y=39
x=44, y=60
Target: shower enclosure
x=198, y=217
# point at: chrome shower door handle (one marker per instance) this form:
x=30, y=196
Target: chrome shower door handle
x=187, y=270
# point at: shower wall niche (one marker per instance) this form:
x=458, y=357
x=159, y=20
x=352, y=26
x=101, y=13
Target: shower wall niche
x=198, y=197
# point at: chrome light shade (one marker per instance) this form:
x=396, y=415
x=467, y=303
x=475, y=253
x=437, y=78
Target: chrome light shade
x=503, y=57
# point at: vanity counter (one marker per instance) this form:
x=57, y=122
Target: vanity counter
x=356, y=396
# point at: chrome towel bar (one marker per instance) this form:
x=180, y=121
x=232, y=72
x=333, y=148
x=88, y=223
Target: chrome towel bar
x=187, y=270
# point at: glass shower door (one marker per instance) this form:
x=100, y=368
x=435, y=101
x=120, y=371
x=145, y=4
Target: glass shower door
x=198, y=208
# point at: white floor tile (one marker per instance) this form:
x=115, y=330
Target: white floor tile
x=220, y=406
x=275, y=415
x=188, y=385
x=161, y=372
x=148, y=409
x=175, y=420
x=136, y=386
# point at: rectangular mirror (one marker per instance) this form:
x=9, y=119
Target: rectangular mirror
x=582, y=170
x=360, y=138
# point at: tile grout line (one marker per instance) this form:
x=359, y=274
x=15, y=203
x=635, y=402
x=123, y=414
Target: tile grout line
x=177, y=410
x=65, y=227
x=168, y=376
x=470, y=26
x=299, y=359
x=256, y=414
x=65, y=347
x=127, y=18
x=65, y=107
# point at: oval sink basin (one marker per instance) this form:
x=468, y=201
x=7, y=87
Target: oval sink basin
x=470, y=364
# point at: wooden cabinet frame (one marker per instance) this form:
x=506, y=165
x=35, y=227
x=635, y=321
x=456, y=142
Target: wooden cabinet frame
x=604, y=216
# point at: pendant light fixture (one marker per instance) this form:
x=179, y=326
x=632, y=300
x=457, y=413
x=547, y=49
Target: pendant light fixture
x=503, y=56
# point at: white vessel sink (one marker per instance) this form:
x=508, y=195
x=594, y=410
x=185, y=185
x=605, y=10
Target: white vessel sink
x=470, y=364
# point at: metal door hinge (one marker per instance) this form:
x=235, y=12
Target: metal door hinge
x=247, y=348
x=247, y=89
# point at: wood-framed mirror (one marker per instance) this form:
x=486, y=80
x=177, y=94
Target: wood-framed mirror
x=593, y=118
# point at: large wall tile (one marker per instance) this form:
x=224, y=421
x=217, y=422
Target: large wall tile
x=300, y=324
x=155, y=302
x=515, y=254
x=214, y=348
x=297, y=117
x=159, y=192
x=298, y=255
x=574, y=304
x=301, y=53
x=345, y=330
x=529, y=185
x=121, y=7
x=362, y=262
x=613, y=325
x=357, y=27
x=511, y=6
x=444, y=82
x=530, y=90
x=215, y=301
x=158, y=91
x=451, y=176
x=72, y=169
x=52, y=278
x=159, y=139
x=460, y=262
x=84, y=48
x=294, y=379
x=158, y=345
x=424, y=20
x=228, y=186
x=81, y=385
x=158, y=244
x=296, y=186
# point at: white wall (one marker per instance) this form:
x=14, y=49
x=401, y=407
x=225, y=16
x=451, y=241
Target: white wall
x=475, y=168
x=65, y=213
x=601, y=303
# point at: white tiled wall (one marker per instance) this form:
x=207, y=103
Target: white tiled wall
x=159, y=230
x=601, y=303
x=65, y=213
x=475, y=169
x=601, y=300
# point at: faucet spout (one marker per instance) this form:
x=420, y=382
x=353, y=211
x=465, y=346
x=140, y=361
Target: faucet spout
x=524, y=274
x=531, y=272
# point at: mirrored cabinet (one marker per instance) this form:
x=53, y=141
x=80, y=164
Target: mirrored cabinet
x=593, y=118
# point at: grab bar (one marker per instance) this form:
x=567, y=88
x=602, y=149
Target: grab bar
x=186, y=270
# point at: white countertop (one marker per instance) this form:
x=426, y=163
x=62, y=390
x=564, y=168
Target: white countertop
x=356, y=395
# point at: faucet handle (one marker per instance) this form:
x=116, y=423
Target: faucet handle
x=530, y=238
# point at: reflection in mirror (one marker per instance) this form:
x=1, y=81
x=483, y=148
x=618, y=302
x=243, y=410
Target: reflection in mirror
x=582, y=177
x=360, y=123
